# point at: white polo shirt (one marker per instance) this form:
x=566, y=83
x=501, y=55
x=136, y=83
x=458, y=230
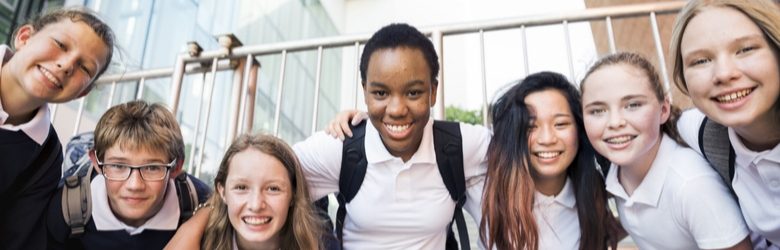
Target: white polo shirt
x=37, y=128
x=681, y=203
x=756, y=178
x=557, y=219
x=399, y=205
x=105, y=220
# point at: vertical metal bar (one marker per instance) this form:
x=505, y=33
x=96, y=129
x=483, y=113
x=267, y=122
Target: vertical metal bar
x=568, y=51
x=357, y=73
x=317, y=81
x=250, y=60
x=82, y=102
x=278, y=111
x=484, y=77
x=197, y=125
x=235, y=101
x=176, y=80
x=111, y=94
x=209, y=97
x=439, y=108
x=660, y=51
x=525, y=50
x=252, y=92
x=140, y=93
x=610, y=35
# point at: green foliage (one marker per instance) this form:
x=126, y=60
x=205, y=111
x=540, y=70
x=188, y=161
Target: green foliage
x=453, y=113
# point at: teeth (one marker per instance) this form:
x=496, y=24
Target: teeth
x=548, y=155
x=396, y=128
x=51, y=77
x=733, y=96
x=620, y=139
x=256, y=220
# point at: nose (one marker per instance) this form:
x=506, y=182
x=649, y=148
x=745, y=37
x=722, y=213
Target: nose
x=726, y=70
x=257, y=201
x=134, y=181
x=396, y=107
x=66, y=64
x=616, y=120
x=546, y=136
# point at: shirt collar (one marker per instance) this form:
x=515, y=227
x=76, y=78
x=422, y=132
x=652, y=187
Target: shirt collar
x=749, y=155
x=564, y=198
x=37, y=128
x=376, y=151
x=105, y=220
x=649, y=191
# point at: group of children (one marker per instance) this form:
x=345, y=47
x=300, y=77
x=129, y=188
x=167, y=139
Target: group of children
x=531, y=183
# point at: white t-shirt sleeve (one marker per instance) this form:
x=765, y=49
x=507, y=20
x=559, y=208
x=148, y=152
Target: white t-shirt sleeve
x=710, y=213
x=320, y=157
x=475, y=143
x=688, y=126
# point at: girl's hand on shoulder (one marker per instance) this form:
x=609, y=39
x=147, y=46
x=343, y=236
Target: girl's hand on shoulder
x=339, y=126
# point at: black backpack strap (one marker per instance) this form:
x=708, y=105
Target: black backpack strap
x=717, y=150
x=188, y=196
x=447, y=142
x=353, y=171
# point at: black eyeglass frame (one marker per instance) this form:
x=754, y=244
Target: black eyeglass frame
x=168, y=167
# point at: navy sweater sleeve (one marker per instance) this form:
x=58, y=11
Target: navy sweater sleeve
x=22, y=224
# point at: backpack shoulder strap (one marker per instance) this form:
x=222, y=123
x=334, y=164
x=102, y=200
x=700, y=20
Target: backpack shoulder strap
x=187, y=195
x=448, y=144
x=77, y=200
x=717, y=150
x=353, y=171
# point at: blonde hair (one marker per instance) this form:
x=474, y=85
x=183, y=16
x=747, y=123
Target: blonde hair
x=764, y=13
x=302, y=227
x=139, y=125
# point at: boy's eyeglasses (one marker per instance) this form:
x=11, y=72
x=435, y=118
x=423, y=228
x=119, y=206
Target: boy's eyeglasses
x=149, y=172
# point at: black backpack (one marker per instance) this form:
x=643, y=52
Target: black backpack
x=717, y=150
x=449, y=156
x=76, y=194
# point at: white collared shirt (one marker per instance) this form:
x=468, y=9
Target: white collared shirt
x=681, y=203
x=557, y=219
x=37, y=128
x=400, y=205
x=105, y=220
x=756, y=178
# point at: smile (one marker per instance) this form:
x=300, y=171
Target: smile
x=733, y=96
x=397, y=128
x=620, y=139
x=254, y=220
x=53, y=79
x=548, y=155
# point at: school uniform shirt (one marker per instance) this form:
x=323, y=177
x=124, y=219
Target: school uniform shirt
x=681, y=203
x=106, y=231
x=400, y=205
x=756, y=178
x=557, y=219
x=21, y=220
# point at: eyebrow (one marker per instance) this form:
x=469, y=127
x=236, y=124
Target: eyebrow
x=623, y=99
x=408, y=84
x=738, y=40
x=123, y=159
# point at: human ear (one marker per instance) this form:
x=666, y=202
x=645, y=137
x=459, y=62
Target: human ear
x=221, y=192
x=22, y=35
x=93, y=159
x=666, y=110
x=434, y=91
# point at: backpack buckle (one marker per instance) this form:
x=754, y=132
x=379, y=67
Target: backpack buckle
x=72, y=181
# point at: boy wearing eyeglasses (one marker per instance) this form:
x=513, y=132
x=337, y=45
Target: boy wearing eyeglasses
x=138, y=152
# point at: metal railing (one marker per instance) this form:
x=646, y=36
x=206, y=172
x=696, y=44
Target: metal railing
x=241, y=59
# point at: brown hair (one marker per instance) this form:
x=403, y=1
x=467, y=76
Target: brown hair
x=86, y=16
x=301, y=229
x=764, y=13
x=139, y=125
x=641, y=63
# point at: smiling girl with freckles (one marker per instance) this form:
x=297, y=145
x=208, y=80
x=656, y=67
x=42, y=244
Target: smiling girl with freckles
x=666, y=194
